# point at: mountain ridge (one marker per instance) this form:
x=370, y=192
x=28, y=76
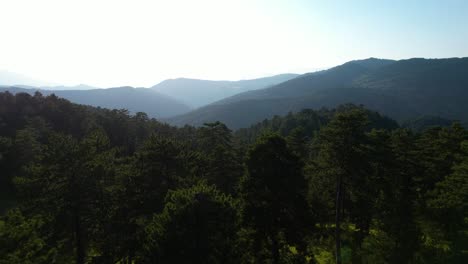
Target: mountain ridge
x=133, y=99
x=413, y=87
x=199, y=92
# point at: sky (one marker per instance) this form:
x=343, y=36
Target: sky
x=140, y=43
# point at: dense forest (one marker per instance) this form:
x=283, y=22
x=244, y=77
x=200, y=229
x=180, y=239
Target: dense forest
x=80, y=184
x=402, y=90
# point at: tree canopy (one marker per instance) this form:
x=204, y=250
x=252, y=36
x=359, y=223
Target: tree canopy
x=80, y=184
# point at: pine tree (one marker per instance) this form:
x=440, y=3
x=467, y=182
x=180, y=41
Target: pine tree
x=341, y=156
x=273, y=194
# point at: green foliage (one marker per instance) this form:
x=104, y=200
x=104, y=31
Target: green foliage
x=21, y=241
x=6, y=167
x=449, y=206
x=273, y=194
x=308, y=122
x=197, y=225
x=90, y=185
x=423, y=123
x=222, y=160
x=342, y=163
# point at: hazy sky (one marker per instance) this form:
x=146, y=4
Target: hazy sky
x=139, y=43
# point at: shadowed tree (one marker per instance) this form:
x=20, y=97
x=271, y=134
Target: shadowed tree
x=197, y=225
x=341, y=155
x=223, y=165
x=273, y=194
x=65, y=183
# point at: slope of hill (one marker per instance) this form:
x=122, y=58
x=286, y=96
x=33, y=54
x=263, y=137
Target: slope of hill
x=133, y=99
x=307, y=122
x=423, y=123
x=306, y=84
x=197, y=93
x=400, y=89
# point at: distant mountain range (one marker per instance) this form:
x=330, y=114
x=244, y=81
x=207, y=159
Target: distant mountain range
x=166, y=99
x=401, y=89
x=11, y=78
x=55, y=87
x=133, y=99
x=198, y=93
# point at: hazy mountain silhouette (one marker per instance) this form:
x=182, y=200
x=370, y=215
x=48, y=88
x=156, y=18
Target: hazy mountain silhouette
x=196, y=93
x=400, y=89
x=74, y=87
x=11, y=78
x=134, y=99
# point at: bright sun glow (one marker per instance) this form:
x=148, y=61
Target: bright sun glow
x=139, y=43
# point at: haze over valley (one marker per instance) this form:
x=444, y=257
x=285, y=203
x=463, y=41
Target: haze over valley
x=233, y=132
x=403, y=90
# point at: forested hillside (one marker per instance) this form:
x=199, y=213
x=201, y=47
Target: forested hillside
x=89, y=185
x=403, y=90
x=133, y=99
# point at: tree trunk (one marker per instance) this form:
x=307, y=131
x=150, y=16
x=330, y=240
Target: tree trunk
x=80, y=254
x=275, y=249
x=338, y=219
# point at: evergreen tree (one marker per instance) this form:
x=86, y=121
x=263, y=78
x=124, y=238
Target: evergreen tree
x=273, y=194
x=223, y=165
x=197, y=225
x=64, y=183
x=342, y=157
x=449, y=206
